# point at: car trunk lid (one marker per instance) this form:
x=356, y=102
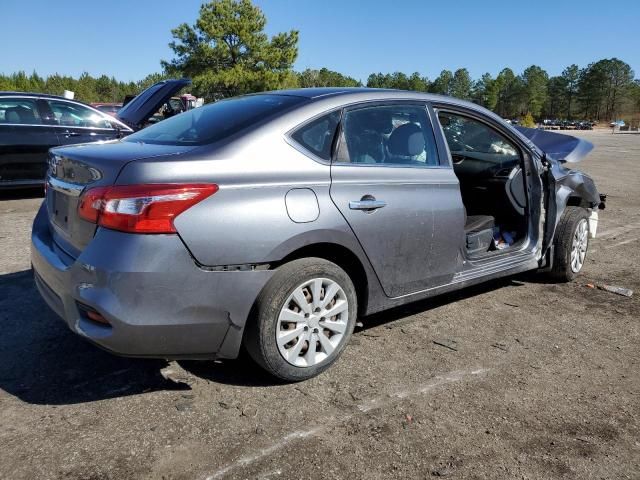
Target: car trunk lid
x=74, y=169
x=138, y=110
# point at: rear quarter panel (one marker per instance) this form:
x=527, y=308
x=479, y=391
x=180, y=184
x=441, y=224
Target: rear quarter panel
x=246, y=221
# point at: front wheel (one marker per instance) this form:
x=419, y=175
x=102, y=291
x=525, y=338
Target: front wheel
x=571, y=244
x=303, y=319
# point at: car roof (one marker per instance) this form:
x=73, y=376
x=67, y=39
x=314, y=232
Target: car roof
x=350, y=94
x=35, y=94
x=44, y=95
x=317, y=92
x=339, y=96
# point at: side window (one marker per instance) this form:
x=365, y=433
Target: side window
x=387, y=135
x=470, y=138
x=317, y=136
x=74, y=115
x=19, y=110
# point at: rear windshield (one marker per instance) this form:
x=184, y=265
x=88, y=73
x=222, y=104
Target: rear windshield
x=216, y=121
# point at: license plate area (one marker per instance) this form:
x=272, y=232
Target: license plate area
x=61, y=209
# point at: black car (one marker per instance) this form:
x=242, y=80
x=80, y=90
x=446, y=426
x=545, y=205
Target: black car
x=32, y=123
x=584, y=125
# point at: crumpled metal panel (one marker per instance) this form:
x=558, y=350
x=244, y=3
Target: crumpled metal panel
x=559, y=147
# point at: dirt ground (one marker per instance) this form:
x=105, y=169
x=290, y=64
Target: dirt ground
x=537, y=380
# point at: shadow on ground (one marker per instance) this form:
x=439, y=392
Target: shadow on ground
x=244, y=372
x=43, y=362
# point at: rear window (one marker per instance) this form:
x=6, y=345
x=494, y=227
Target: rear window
x=19, y=110
x=317, y=136
x=216, y=121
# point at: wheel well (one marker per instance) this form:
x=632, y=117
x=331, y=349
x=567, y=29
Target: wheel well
x=341, y=256
x=576, y=201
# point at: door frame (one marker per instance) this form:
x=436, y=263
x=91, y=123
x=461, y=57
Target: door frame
x=443, y=167
x=535, y=208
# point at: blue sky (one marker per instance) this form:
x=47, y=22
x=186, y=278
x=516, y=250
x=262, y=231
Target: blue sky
x=127, y=38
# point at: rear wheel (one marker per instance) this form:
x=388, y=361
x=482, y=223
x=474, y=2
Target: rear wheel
x=571, y=244
x=303, y=319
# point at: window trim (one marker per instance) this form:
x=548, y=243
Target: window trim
x=386, y=103
x=288, y=136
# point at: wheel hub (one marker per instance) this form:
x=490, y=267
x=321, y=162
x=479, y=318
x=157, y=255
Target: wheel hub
x=313, y=321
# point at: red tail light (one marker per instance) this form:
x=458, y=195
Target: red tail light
x=141, y=208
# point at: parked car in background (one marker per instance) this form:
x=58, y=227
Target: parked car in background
x=584, y=125
x=32, y=123
x=273, y=220
x=109, y=108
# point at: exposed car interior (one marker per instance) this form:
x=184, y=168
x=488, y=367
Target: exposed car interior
x=489, y=168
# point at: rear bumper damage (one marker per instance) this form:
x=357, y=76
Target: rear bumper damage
x=156, y=300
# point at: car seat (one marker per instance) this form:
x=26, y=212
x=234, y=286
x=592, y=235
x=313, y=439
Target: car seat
x=19, y=114
x=405, y=144
x=478, y=230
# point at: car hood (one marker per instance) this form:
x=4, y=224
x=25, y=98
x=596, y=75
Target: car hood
x=145, y=104
x=559, y=147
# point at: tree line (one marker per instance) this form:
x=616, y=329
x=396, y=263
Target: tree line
x=227, y=52
x=602, y=90
x=86, y=88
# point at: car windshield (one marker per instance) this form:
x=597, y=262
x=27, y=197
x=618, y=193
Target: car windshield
x=215, y=122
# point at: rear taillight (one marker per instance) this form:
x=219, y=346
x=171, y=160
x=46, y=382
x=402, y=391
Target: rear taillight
x=141, y=208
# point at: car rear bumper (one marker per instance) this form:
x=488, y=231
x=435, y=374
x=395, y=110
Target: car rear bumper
x=157, y=301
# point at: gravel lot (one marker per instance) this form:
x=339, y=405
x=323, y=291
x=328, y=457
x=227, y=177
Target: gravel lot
x=540, y=380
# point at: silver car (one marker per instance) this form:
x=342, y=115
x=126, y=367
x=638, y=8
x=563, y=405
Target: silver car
x=274, y=220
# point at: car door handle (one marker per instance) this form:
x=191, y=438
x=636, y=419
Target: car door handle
x=366, y=204
x=70, y=134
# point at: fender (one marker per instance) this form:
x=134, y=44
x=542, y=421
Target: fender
x=565, y=186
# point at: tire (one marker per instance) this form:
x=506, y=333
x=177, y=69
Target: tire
x=572, y=236
x=279, y=311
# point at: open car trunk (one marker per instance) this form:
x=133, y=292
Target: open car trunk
x=137, y=111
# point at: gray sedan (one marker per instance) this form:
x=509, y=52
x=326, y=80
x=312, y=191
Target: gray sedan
x=274, y=220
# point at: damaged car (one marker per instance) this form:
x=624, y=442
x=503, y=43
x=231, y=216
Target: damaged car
x=272, y=221
x=32, y=123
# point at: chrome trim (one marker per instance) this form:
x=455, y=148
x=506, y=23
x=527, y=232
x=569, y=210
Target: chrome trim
x=46, y=125
x=366, y=204
x=58, y=185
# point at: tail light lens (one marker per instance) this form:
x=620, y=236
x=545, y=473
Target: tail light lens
x=141, y=208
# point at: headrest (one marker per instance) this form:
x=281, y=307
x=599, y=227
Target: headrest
x=407, y=141
x=11, y=115
x=19, y=114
